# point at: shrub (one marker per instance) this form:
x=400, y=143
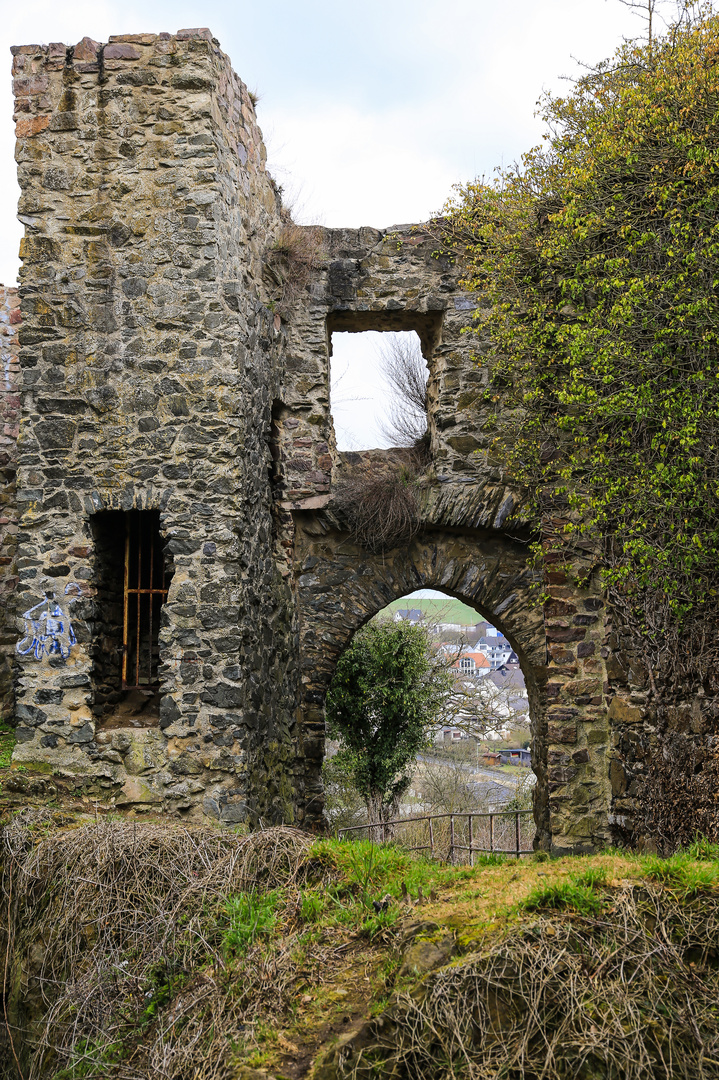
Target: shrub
x=381, y=505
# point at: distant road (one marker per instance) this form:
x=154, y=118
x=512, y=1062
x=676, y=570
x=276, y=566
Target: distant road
x=507, y=782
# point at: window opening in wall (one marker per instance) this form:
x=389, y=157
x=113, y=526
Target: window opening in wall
x=378, y=390
x=145, y=591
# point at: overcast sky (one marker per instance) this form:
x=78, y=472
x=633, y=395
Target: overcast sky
x=371, y=110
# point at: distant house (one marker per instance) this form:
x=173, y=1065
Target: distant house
x=497, y=650
x=511, y=681
x=449, y=734
x=520, y=756
x=411, y=615
x=491, y=757
x=472, y=664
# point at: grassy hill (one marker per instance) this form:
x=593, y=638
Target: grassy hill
x=447, y=610
x=158, y=949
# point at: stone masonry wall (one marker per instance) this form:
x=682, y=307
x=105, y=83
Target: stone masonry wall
x=175, y=347
x=474, y=542
x=9, y=422
x=150, y=362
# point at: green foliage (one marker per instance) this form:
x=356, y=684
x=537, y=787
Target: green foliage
x=490, y=858
x=383, y=699
x=7, y=745
x=91, y=1058
x=371, y=870
x=701, y=848
x=578, y=892
x=344, y=805
x=596, y=260
x=250, y=916
x=312, y=906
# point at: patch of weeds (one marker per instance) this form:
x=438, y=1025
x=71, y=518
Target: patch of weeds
x=703, y=850
x=682, y=873
x=563, y=894
x=256, y=1051
x=91, y=1058
x=491, y=858
x=373, y=925
x=7, y=745
x=250, y=916
x=158, y=992
x=593, y=877
x=312, y=906
x=369, y=870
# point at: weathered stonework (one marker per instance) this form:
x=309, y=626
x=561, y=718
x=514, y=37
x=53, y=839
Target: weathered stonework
x=150, y=365
x=168, y=365
x=9, y=422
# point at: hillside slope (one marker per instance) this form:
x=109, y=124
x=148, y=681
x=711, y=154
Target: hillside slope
x=155, y=950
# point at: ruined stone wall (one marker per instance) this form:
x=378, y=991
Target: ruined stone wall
x=149, y=364
x=475, y=535
x=664, y=757
x=175, y=346
x=9, y=423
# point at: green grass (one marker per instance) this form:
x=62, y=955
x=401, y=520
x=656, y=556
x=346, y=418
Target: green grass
x=682, y=873
x=371, y=870
x=250, y=916
x=703, y=849
x=578, y=893
x=491, y=858
x=7, y=745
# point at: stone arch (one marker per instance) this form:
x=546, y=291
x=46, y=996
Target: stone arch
x=341, y=586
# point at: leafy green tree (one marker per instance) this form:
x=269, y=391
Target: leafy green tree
x=597, y=266
x=383, y=700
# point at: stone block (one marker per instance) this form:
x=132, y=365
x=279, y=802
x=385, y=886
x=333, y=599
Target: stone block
x=621, y=711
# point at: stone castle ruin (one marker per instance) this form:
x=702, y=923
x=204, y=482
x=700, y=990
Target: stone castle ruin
x=179, y=574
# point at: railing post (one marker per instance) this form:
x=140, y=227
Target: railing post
x=471, y=841
x=451, y=839
x=431, y=838
x=491, y=832
x=516, y=830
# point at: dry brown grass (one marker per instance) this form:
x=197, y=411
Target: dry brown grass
x=290, y=261
x=381, y=506
x=105, y=920
x=629, y=992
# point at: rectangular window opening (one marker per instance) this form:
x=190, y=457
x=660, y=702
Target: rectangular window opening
x=378, y=390
x=144, y=593
x=132, y=576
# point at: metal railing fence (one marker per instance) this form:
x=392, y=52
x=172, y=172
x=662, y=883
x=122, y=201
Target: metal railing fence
x=449, y=834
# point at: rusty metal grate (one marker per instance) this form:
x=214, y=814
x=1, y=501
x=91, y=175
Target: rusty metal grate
x=145, y=590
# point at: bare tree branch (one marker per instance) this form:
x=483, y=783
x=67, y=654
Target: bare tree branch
x=405, y=372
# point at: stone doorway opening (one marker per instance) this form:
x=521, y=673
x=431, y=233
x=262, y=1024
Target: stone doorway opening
x=477, y=756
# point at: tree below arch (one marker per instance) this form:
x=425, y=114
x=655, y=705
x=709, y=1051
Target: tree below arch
x=385, y=696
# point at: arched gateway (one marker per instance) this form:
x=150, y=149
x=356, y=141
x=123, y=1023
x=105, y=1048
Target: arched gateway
x=185, y=577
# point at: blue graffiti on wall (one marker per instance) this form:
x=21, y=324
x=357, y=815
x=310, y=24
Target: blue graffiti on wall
x=48, y=628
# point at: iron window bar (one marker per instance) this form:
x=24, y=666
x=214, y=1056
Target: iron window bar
x=138, y=660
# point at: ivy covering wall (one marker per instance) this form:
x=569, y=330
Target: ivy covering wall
x=596, y=264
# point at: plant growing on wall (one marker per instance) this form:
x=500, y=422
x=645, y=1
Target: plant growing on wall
x=598, y=259
x=380, y=505
x=290, y=261
x=384, y=698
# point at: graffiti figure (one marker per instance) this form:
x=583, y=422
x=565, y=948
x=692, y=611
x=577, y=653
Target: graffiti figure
x=48, y=629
